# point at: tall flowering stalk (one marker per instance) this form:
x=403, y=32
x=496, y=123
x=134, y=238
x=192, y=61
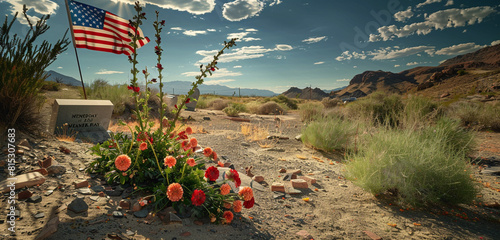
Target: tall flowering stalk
x=158, y=25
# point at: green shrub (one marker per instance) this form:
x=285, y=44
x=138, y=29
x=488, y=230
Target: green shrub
x=476, y=114
x=329, y=134
x=421, y=167
x=218, y=104
x=282, y=99
x=234, y=109
x=270, y=108
x=310, y=111
x=22, y=68
x=380, y=108
x=119, y=95
x=419, y=111
x=51, y=86
x=253, y=107
x=330, y=102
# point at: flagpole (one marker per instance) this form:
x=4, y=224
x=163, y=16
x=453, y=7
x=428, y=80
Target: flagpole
x=74, y=46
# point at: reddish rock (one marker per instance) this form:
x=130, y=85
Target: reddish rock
x=299, y=183
x=185, y=234
x=81, y=184
x=282, y=170
x=277, y=187
x=304, y=235
x=49, y=229
x=258, y=178
x=43, y=171
x=137, y=207
x=24, y=195
x=308, y=179
x=125, y=204
x=23, y=180
x=24, y=142
x=45, y=163
x=373, y=236
x=199, y=223
x=294, y=171
x=102, y=194
x=445, y=95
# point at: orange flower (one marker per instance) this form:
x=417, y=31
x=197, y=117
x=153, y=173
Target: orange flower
x=189, y=130
x=228, y=215
x=227, y=205
x=169, y=161
x=191, y=162
x=123, y=162
x=224, y=189
x=175, y=192
x=143, y=146
x=193, y=142
x=246, y=192
x=207, y=152
x=237, y=206
x=214, y=155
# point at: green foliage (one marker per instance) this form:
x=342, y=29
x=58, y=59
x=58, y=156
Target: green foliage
x=234, y=109
x=119, y=95
x=422, y=167
x=476, y=114
x=22, y=72
x=330, y=133
x=461, y=72
x=330, y=102
x=51, y=86
x=270, y=108
x=378, y=107
x=290, y=103
x=419, y=111
x=310, y=111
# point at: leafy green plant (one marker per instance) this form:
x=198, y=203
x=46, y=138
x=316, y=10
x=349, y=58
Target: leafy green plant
x=476, y=114
x=310, y=111
x=234, y=109
x=380, y=108
x=330, y=134
x=162, y=161
x=270, y=108
x=22, y=68
x=117, y=94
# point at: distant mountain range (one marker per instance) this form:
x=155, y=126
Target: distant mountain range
x=55, y=76
x=182, y=87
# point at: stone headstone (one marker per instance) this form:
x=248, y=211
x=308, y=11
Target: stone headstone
x=90, y=118
x=194, y=99
x=170, y=100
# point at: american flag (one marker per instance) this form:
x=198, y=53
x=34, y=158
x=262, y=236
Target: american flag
x=99, y=30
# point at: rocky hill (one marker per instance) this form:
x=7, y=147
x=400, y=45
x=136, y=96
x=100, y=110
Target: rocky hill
x=306, y=93
x=477, y=69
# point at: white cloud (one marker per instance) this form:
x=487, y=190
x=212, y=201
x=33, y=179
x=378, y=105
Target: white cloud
x=104, y=71
x=43, y=7
x=412, y=63
x=343, y=80
x=351, y=55
x=386, y=53
x=427, y=2
x=251, y=30
x=355, y=67
x=59, y=67
x=495, y=42
x=314, y=39
x=211, y=30
x=194, y=32
x=248, y=39
x=275, y=2
x=397, y=65
x=191, y=6
x=242, y=53
x=459, y=49
x=237, y=66
x=439, y=20
x=218, y=81
x=402, y=16
x=449, y=3
x=239, y=35
x=177, y=28
x=241, y=9
x=318, y=63
x=222, y=72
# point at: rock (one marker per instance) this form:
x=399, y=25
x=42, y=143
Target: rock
x=444, y=95
x=248, y=171
x=342, y=185
x=298, y=137
x=282, y=170
x=278, y=195
x=39, y=215
x=49, y=229
x=43, y=171
x=24, y=195
x=304, y=235
x=34, y=199
x=23, y=180
x=84, y=191
x=81, y=184
x=136, y=207
x=278, y=187
x=289, y=176
x=56, y=170
x=173, y=218
x=78, y=206
x=245, y=144
x=102, y=194
x=299, y=183
x=142, y=213
x=94, y=198
x=206, y=118
x=199, y=223
x=258, y=178
x=117, y=214
x=293, y=191
x=64, y=150
x=46, y=162
x=19, y=152
x=373, y=236
x=24, y=142
x=97, y=188
x=275, y=149
x=294, y=171
x=308, y=179
x=125, y=204
x=185, y=234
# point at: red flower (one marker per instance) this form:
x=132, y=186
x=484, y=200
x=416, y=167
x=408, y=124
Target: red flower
x=189, y=130
x=207, y=151
x=123, y=162
x=249, y=203
x=153, y=80
x=233, y=175
x=193, y=142
x=191, y=162
x=188, y=100
x=162, y=22
x=159, y=66
x=144, y=72
x=214, y=155
x=212, y=174
x=143, y=136
x=175, y=106
x=143, y=14
x=220, y=164
x=198, y=197
x=186, y=145
x=228, y=216
x=213, y=69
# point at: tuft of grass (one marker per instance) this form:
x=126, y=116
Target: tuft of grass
x=330, y=133
x=218, y=104
x=476, y=115
x=254, y=133
x=419, y=111
x=310, y=111
x=381, y=108
x=65, y=134
x=117, y=94
x=330, y=102
x=270, y=108
x=422, y=167
x=234, y=109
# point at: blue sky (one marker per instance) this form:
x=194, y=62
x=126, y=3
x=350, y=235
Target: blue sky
x=283, y=43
